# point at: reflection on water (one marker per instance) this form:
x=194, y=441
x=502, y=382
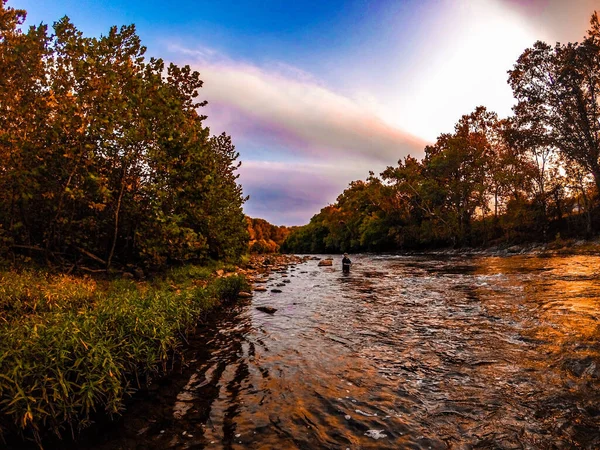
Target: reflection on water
x=405, y=352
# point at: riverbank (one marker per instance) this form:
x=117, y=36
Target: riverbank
x=554, y=248
x=73, y=346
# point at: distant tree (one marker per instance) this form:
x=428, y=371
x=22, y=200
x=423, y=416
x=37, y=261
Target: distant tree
x=265, y=237
x=457, y=166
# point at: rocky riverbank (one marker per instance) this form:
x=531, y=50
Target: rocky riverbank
x=557, y=247
x=262, y=268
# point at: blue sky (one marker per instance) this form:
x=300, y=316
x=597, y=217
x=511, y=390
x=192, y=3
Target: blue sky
x=317, y=93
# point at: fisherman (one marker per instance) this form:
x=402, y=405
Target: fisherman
x=346, y=263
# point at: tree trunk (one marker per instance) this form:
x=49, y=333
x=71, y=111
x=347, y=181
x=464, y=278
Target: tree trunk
x=116, y=230
x=596, y=175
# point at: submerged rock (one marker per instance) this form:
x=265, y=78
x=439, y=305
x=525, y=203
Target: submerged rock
x=276, y=291
x=376, y=434
x=267, y=309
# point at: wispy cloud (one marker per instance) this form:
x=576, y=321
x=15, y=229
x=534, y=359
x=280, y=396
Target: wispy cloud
x=314, y=117
x=278, y=114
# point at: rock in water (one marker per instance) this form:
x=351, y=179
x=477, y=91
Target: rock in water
x=375, y=434
x=267, y=309
x=243, y=294
x=276, y=291
x=326, y=262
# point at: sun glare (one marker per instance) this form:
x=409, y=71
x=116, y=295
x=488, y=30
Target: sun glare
x=463, y=65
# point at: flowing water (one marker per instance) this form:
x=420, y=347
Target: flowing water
x=404, y=352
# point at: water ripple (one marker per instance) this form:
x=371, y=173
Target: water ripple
x=405, y=352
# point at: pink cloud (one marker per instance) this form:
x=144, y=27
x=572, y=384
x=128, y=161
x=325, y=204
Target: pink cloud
x=292, y=115
x=295, y=104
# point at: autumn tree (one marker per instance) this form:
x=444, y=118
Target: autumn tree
x=24, y=101
x=558, y=94
x=104, y=155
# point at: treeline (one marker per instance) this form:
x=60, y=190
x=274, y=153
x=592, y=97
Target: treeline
x=265, y=237
x=104, y=158
x=529, y=177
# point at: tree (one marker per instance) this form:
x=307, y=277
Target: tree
x=457, y=166
x=23, y=101
x=558, y=93
x=104, y=156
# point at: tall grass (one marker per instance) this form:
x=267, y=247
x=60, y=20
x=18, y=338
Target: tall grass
x=70, y=346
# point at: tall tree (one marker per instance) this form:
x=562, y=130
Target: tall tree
x=103, y=154
x=558, y=93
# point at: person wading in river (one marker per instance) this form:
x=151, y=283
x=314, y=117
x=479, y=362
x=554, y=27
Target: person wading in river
x=346, y=263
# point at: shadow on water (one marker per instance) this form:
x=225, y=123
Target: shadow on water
x=403, y=352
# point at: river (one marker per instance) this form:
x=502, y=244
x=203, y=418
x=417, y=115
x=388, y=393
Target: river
x=404, y=352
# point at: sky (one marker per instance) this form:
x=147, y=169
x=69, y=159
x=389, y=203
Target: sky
x=315, y=94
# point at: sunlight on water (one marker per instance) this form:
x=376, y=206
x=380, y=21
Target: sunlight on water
x=405, y=352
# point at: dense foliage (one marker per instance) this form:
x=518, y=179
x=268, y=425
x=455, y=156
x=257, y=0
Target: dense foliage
x=265, y=237
x=70, y=346
x=529, y=177
x=103, y=155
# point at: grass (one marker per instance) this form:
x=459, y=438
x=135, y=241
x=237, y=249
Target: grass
x=70, y=345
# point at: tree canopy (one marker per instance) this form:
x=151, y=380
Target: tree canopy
x=104, y=157
x=265, y=237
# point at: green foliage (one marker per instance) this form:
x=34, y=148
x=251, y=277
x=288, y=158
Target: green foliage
x=228, y=288
x=183, y=274
x=105, y=158
x=70, y=346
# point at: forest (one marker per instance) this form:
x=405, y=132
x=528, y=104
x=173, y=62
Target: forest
x=533, y=176
x=264, y=236
x=104, y=158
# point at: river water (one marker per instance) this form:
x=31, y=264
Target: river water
x=404, y=352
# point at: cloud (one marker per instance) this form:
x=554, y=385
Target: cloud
x=301, y=143
x=290, y=194
x=458, y=57
x=310, y=118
